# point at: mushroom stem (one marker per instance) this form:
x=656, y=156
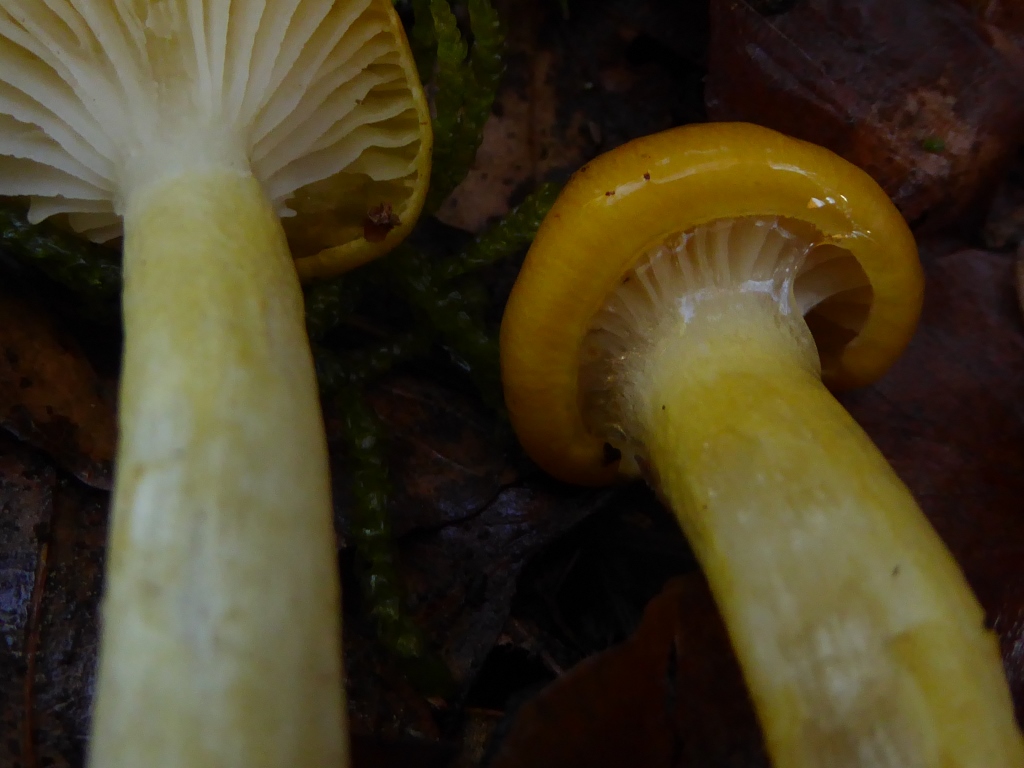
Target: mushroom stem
x=860, y=640
x=221, y=619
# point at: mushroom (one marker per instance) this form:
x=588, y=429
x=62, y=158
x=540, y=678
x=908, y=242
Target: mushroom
x=194, y=127
x=684, y=306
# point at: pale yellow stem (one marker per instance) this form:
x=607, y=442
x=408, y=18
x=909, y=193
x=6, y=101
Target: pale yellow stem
x=859, y=638
x=221, y=619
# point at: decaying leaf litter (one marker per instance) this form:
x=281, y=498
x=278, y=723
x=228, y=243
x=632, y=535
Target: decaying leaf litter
x=468, y=512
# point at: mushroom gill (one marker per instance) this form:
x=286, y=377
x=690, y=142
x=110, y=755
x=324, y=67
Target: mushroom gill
x=312, y=95
x=787, y=261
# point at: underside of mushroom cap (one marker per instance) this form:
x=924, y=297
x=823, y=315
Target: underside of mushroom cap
x=670, y=192
x=319, y=99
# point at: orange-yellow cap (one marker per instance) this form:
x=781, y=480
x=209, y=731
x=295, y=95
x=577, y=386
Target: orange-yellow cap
x=623, y=203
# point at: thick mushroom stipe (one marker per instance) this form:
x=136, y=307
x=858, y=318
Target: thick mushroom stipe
x=220, y=643
x=702, y=372
x=191, y=127
x=679, y=316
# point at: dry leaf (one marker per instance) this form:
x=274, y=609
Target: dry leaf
x=671, y=695
x=50, y=396
x=909, y=91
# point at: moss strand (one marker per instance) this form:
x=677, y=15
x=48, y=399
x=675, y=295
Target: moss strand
x=510, y=235
x=328, y=303
x=91, y=271
x=467, y=85
x=377, y=561
x=422, y=39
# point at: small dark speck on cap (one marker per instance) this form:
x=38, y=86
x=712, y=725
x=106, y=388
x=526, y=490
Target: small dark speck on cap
x=609, y=193
x=647, y=176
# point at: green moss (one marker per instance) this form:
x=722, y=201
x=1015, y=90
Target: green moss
x=466, y=85
x=91, y=271
x=422, y=39
x=459, y=329
x=453, y=307
x=510, y=235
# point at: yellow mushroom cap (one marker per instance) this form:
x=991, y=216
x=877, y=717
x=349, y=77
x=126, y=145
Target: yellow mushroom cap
x=619, y=206
x=318, y=98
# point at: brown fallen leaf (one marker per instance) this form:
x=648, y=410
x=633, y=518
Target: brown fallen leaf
x=65, y=669
x=909, y=91
x=26, y=511
x=1020, y=276
x=1004, y=223
x=52, y=535
x=522, y=141
x=588, y=591
x=535, y=127
x=1003, y=23
x=446, y=447
x=578, y=86
x=384, y=707
x=50, y=396
x=465, y=517
x=461, y=578
x=671, y=695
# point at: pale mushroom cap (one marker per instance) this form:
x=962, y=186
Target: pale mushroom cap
x=318, y=98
